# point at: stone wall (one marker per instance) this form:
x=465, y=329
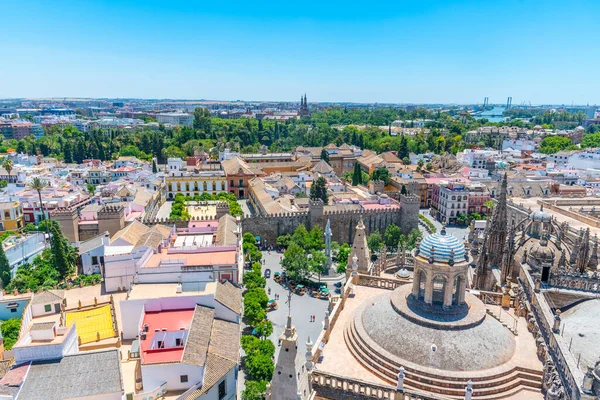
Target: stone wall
x=343, y=223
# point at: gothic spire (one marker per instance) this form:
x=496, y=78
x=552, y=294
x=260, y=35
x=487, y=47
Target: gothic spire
x=496, y=230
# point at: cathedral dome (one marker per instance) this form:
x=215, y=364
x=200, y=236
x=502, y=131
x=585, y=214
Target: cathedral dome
x=540, y=216
x=441, y=243
x=542, y=253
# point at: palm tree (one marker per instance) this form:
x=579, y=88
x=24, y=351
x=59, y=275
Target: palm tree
x=38, y=185
x=7, y=164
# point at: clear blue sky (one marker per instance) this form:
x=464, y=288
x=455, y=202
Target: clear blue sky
x=421, y=51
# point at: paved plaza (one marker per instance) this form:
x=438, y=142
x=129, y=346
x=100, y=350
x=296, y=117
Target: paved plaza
x=302, y=307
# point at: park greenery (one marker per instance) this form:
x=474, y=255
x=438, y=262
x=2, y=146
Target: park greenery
x=553, y=144
x=364, y=127
x=53, y=267
x=180, y=203
x=259, y=350
x=391, y=238
x=304, y=253
x=10, y=332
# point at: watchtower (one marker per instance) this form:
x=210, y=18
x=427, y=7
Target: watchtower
x=315, y=212
x=111, y=219
x=409, y=212
x=68, y=219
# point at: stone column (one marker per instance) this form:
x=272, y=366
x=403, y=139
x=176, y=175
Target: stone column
x=462, y=289
x=415, y=288
x=429, y=289
x=448, y=294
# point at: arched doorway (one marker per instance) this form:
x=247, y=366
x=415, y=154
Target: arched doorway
x=439, y=287
x=458, y=282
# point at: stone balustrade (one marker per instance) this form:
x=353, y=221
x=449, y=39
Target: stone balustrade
x=379, y=282
x=339, y=387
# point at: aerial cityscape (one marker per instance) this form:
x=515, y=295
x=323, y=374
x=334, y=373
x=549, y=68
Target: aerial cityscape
x=299, y=201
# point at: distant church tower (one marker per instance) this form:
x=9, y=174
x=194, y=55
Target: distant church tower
x=303, y=111
x=494, y=242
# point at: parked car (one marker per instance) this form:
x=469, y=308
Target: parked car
x=267, y=273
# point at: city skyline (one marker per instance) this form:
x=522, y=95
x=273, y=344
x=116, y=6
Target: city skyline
x=432, y=52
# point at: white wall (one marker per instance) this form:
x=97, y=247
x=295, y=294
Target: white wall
x=39, y=309
x=155, y=375
x=24, y=353
x=119, y=270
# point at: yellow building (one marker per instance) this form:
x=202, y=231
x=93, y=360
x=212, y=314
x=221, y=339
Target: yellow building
x=11, y=216
x=212, y=182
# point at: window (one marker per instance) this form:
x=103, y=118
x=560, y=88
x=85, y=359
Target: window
x=13, y=310
x=6, y=214
x=183, y=378
x=48, y=307
x=178, y=342
x=94, y=260
x=222, y=391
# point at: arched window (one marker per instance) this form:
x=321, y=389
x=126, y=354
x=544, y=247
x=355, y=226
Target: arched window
x=439, y=286
x=422, y=284
x=458, y=281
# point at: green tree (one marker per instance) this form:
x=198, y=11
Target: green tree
x=317, y=263
x=374, y=241
x=283, y=241
x=68, y=152
x=60, y=251
x=381, y=174
x=10, y=332
x=318, y=190
x=324, y=155
x=591, y=140
x=403, y=151
x=255, y=390
x=254, y=313
x=342, y=257
x=462, y=218
x=357, y=175
x=7, y=164
x=4, y=268
x=413, y=237
x=154, y=168
x=259, y=367
x=264, y=328
x=392, y=235
x=553, y=144
x=420, y=163
x=3, y=183
x=296, y=262
x=38, y=185
x=403, y=190
x=91, y=189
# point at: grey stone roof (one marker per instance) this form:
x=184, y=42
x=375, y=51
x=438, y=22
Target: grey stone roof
x=81, y=375
x=229, y=296
x=483, y=346
x=580, y=332
x=48, y=296
x=41, y=326
x=226, y=231
x=196, y=346
x=92, y=243
x=223, y=355
x=150, y=239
